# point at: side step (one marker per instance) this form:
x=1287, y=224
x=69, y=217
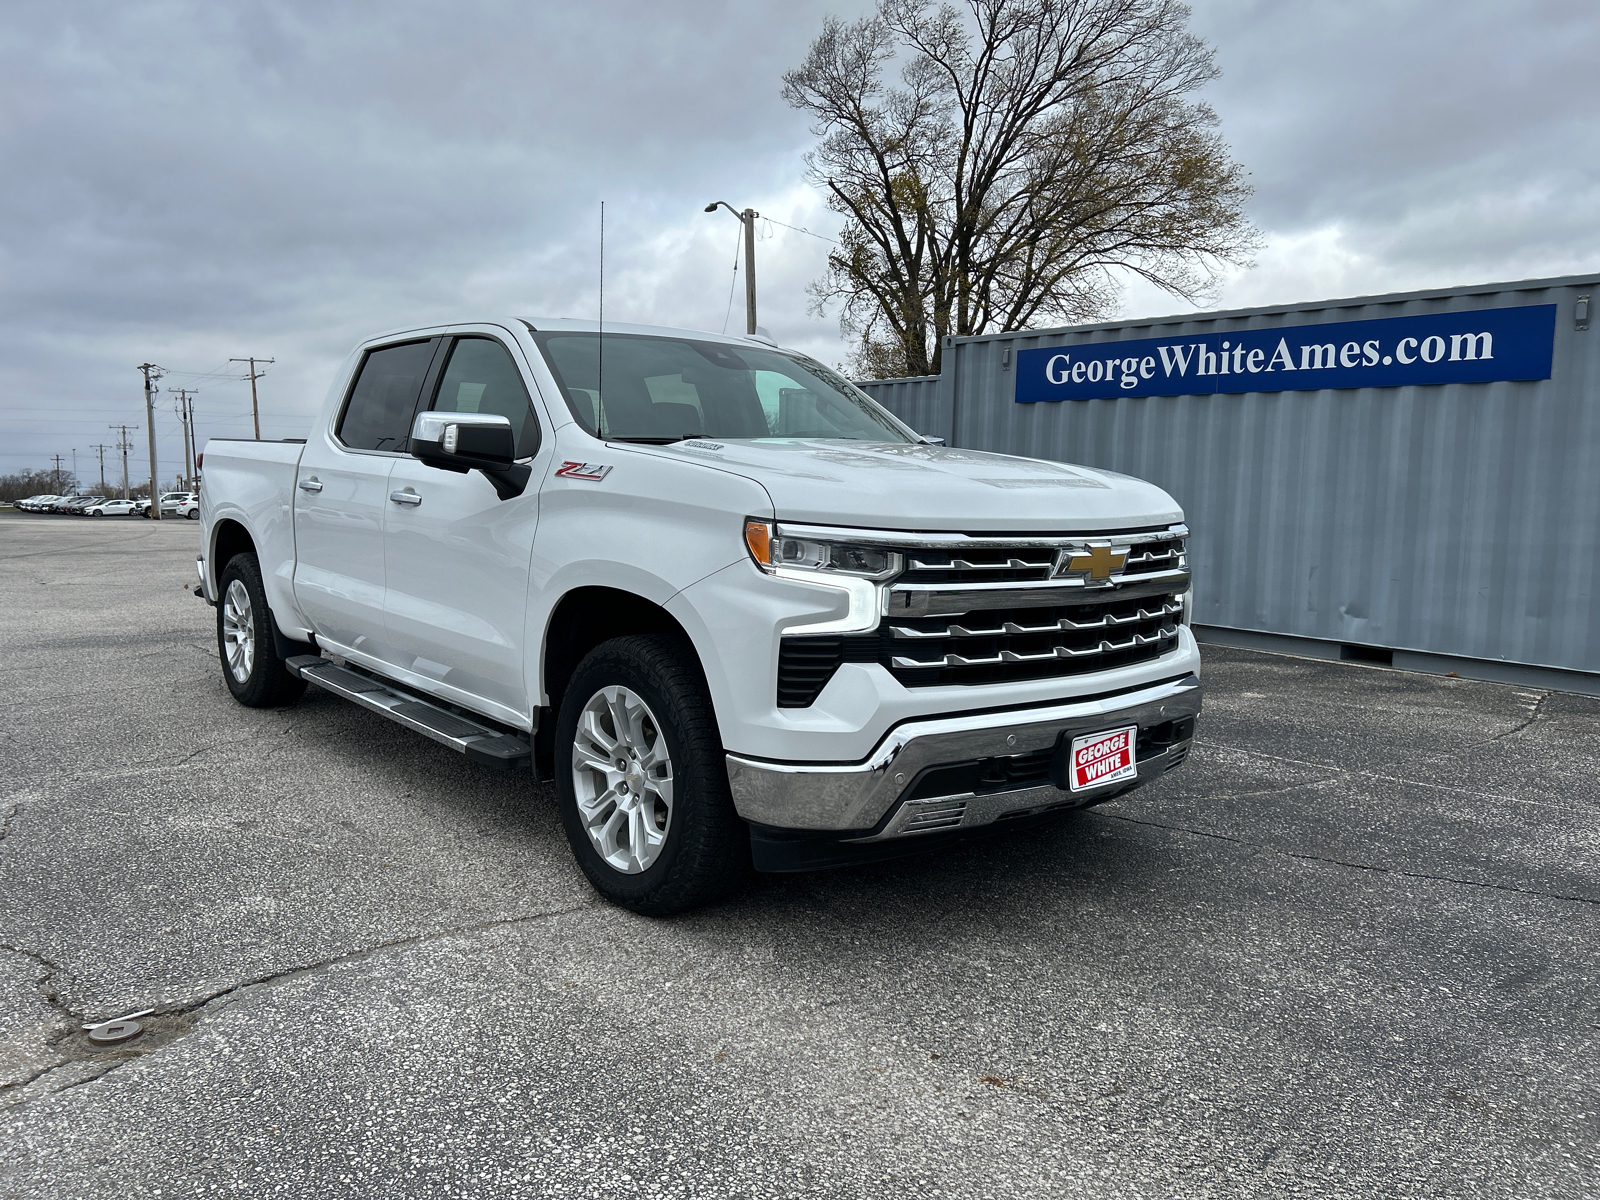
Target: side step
x=480, y=743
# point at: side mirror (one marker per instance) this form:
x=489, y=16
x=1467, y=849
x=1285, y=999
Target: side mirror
x=930, y=441
x=463, y=442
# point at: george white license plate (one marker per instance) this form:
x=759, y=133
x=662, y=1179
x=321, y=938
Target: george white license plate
x=1105, y=757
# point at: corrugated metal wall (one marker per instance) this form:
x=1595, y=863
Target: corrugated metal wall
x=1459, y=519
x=919, y=401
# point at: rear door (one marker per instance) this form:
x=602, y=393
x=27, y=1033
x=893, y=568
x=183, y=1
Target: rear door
x=457, y=556
x=342, y=496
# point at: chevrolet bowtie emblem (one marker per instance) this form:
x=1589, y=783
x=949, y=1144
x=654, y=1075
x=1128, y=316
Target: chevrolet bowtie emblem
x=1098, y=561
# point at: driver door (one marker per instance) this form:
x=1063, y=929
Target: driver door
x=457, y=557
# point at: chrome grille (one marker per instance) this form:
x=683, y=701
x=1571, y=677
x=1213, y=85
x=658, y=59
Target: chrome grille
x=1165, y=555
x=979, y=566
x=994, y=608
x=991, y=646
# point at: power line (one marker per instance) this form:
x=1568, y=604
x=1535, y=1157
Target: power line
x=738, y=242
x=798, y=229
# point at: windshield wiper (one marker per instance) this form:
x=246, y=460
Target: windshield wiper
x=654, y=441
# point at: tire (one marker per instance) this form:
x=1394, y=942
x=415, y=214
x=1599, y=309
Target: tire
x=250, y=664
x=659, y=851
x=193, y=514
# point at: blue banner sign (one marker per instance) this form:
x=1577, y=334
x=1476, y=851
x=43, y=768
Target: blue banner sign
x=1474, y=346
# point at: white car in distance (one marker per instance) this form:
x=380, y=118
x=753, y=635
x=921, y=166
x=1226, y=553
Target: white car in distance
x=180, y=503
x=112, y=508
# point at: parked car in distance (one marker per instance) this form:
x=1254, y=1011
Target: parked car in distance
x=189, y=507
x=34, y=503
x=171, y=501
x=61, y=504
x=78, y=506
x=112, y=508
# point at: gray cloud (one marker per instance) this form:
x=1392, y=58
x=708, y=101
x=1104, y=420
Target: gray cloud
x=188, y=181
x=1411, y=144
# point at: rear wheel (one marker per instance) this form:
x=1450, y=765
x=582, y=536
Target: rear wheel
x=642, y=779
x=251, y=667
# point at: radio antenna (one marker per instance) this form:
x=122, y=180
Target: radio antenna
x=600, y=374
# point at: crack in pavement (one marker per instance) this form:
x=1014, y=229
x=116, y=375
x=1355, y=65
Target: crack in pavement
x=1340, y=862
x=1532, y=717
x=7, y=819
x=133, y=1051
x=46, y=982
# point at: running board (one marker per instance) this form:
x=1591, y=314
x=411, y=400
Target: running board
x=479, y=743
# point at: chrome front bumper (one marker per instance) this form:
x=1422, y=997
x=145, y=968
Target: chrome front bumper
x=867, y=798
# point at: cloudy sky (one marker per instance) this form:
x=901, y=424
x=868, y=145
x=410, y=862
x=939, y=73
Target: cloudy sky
x=189, y=182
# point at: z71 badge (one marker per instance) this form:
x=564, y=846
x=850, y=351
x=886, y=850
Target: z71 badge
x=578, y=470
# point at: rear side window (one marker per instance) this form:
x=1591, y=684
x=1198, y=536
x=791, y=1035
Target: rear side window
x=482, y=377
x=378, y=416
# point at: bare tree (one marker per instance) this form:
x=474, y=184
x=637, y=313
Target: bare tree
x=1029, y=150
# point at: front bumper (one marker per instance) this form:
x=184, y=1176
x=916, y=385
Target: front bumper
x=885, y=797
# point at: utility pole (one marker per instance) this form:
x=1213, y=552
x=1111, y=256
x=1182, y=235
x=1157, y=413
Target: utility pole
x=101, y=448
x=124, y=445
x=185, y=410
x=255, y=409
x=55, y=474
x=748, y=219
x=154, y=512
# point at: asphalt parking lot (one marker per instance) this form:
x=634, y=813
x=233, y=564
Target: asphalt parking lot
x=1350, y=949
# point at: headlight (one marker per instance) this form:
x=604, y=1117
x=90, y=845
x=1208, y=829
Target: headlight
x=773, y=551
x=854, y=570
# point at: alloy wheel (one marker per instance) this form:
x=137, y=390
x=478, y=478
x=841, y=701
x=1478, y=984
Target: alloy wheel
x=622, y=778
x=239, y=631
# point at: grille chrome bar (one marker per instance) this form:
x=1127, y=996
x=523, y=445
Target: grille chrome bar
x=954, y=599
x=1058, y=652
x=1064, y=625
x=1153, y=556
x=962, y=564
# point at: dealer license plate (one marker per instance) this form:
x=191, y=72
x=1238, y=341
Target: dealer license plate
x=1105, y=757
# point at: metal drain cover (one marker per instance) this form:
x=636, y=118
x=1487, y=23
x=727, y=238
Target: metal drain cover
x=115, y=1031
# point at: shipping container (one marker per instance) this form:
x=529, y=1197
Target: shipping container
x=1415, y=475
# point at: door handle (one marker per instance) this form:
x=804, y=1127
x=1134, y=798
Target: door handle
x=406, y=497
x=311, y=485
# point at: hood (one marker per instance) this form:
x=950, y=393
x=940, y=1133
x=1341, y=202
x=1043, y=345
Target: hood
x=886, y=485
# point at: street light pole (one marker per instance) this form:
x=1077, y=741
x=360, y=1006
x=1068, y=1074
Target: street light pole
x=747, y=218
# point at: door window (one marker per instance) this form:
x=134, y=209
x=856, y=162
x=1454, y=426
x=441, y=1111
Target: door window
x=378, y=414
x=482, y=377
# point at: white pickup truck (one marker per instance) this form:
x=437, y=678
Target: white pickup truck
x=739, y=613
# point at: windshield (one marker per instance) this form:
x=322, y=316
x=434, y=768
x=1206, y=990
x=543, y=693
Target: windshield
x=660, y=389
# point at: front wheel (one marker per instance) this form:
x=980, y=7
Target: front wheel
x=254, y=673
x=642, y=779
